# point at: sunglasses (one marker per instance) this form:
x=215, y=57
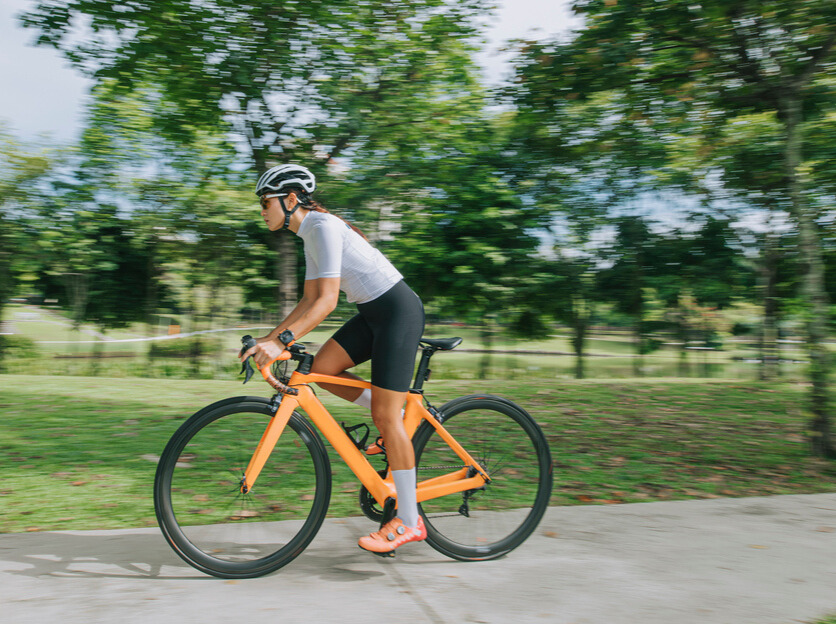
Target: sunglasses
x=264, y=198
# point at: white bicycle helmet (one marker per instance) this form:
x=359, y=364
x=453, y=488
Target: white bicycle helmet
x=281, y=176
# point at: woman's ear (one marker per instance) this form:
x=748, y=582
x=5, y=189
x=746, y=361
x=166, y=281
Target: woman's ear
x=291, y=200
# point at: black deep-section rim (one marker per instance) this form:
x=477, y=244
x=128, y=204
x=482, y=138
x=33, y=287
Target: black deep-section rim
x=463, y=552
x=167, y=521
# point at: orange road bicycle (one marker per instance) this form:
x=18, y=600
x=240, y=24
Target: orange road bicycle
x=244, y=484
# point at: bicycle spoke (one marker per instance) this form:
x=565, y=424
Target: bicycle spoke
x=212, y=523
x=510, y=448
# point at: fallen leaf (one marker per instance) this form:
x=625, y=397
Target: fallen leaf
x=245, y=513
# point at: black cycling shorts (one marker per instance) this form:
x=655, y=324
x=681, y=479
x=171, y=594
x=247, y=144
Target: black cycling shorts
x=387, y=331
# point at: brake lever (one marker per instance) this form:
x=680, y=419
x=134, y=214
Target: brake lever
x=248, y=342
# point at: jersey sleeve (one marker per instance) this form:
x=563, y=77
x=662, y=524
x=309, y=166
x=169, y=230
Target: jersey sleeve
x=325, y=246
x=310, y=265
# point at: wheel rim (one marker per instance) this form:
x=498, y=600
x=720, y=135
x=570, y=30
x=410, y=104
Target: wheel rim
x=505, y=512
x=212, y=522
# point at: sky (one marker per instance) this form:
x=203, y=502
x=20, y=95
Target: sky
x=42, y=94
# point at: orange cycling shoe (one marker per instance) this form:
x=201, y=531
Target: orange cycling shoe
x=376, y=447
x=391, y=535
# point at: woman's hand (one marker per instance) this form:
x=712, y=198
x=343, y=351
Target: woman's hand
x=267, y=350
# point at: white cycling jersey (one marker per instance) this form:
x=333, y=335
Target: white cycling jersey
x=333, y=249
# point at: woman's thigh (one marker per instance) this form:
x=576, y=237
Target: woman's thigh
x=355, y=338
x=331, y=359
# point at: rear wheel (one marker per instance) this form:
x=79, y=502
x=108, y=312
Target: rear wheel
x=201, y=510
x=491, y=521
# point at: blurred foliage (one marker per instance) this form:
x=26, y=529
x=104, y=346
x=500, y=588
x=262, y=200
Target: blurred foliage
x=291, y=78
x=19, y=348
x=713, y=97
x=544, y=202
x=23, y=173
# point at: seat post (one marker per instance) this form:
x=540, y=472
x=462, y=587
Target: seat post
x=423, y=372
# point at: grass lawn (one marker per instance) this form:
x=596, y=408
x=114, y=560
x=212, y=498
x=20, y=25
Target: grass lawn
x=80, y=453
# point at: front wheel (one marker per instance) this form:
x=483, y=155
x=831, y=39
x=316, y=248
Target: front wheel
x=201, y=510
x=491, y=521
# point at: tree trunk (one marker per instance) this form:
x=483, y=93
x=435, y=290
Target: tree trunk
x=194, y=351
x=769, y=361
x=151, y=300
x=284, y=270
x=815, y=296
x=5, y=277
x=98, y=353
x=683, y=334
x=487, y=343
x=288, y=292
x=638, y=360
x=578, y=341
x=77, y=287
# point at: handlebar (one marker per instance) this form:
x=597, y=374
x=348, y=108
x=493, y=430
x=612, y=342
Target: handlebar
x=249, y=342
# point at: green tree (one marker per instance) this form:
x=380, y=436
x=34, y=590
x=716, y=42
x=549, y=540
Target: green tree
x=562, y=288
x=463, y=231
x=632, y=254
x=714, y=60
x=305, y=81
x=695, y=273
x=23, y=172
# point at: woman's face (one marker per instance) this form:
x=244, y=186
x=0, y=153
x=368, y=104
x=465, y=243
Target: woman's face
x=271, y=209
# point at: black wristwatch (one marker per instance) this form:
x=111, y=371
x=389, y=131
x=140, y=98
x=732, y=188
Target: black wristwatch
x=287, y=337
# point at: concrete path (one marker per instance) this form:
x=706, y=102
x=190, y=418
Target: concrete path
x=730, y=561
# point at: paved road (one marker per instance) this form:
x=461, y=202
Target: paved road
x=734, y=561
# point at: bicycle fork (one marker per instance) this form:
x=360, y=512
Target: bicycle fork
x=267, y=444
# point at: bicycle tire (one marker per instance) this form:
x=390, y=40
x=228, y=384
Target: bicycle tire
x=509, y=444
x=201, y=511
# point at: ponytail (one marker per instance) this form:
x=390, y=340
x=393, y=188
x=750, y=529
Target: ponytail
x=311, y=204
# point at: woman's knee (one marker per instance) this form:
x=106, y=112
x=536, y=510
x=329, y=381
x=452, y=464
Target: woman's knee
x=386, y=419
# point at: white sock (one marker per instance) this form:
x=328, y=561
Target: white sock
x=405, y=483
x=365, y=399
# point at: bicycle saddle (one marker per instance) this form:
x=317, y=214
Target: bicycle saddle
x=445, y=344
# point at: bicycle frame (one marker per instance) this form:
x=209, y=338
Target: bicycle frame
x=470, y=476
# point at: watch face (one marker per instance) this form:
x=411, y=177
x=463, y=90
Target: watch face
x=286, y=337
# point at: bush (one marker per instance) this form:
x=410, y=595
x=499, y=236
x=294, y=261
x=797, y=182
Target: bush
x=18, y=347
x=529, y=324
x=742, y=329
x=185, y=347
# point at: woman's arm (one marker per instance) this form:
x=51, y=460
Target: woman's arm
x=321, y=304
x=319, y=299
x=309, y=295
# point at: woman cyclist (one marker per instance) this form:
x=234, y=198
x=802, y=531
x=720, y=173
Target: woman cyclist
x=386, y=329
